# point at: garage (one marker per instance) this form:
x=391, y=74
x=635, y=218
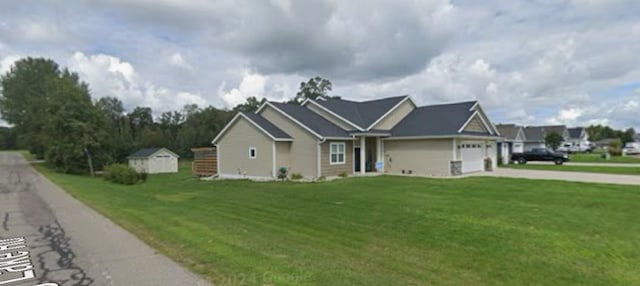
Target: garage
x=472, y=156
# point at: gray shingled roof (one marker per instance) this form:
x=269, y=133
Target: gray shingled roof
x=537, y=133
x=533, y=133
x=508, y=131
x=145, y=152
x=435, y=120
x=267, y=126
x=362, y=113
x=575, y=132
x=311, y=120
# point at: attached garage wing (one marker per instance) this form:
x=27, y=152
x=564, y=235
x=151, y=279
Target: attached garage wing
x=472, y=157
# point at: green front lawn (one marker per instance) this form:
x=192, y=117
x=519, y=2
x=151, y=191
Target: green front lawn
x=596, y=158
x=381, y=230
x=587, y=169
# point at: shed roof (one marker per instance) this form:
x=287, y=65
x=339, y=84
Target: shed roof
x=146, y=152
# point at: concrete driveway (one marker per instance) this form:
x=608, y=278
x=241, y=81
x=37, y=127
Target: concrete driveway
x=625, y=165
x=563, y=176
x=49, y=238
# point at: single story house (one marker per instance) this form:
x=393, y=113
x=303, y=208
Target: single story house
x=154, y=161
x=535, y=135
x=604, y=143
x=332, y=136
x=512, y=141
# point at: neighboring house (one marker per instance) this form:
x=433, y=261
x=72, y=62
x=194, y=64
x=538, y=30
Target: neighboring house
x=636, y=138
x=333, y=136
x=512, y=141
x=578, y=140
x=604, y=143
x=154, y=161
x=535, y=135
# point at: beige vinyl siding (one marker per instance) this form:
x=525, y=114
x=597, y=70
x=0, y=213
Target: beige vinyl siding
x=475, y=125
x=234, y=151
x=283, y=159
x=304, y=148
x=428, y=157
x=394, y=117
x=335, y=170
x=328, y=116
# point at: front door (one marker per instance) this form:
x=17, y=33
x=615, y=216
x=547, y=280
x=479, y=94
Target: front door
x=356, y=159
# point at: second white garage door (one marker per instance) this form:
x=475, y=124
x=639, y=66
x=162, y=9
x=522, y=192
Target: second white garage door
x=472, y=156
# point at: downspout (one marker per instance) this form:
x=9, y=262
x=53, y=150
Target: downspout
x=319, y=158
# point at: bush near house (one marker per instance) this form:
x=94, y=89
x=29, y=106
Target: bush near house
x=121, y=174
x=296, y=176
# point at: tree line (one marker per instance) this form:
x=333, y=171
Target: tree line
x=54, y=117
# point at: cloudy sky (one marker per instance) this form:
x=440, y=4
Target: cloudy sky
x=573, y=62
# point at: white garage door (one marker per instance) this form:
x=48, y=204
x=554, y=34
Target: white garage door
x=472, y=156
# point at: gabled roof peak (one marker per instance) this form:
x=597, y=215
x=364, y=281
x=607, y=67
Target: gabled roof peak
x=360, y=114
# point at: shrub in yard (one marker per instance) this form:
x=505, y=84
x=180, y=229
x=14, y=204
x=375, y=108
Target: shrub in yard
x=343, y=175
x=142, y=176
x=120, y=174
x=296, y=176
x=615, y=147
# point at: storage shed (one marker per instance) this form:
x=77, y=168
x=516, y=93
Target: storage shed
x=154, y=161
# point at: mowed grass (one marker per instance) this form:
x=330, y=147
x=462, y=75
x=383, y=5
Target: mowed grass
x=381, y=230
x=597, y=158
x=588, y=169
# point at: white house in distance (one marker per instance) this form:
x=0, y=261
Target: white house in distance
x=154, y=161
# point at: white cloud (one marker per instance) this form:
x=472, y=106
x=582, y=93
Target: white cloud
x=40, y=31
x=526, y=61
x=177, y=60
x=251, y=85
x=7, y=62
x=109, y=76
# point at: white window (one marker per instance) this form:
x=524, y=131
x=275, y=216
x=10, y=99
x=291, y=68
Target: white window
x=252, y=152
x=336, y=153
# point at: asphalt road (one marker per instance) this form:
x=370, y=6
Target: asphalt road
x=48, y=238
